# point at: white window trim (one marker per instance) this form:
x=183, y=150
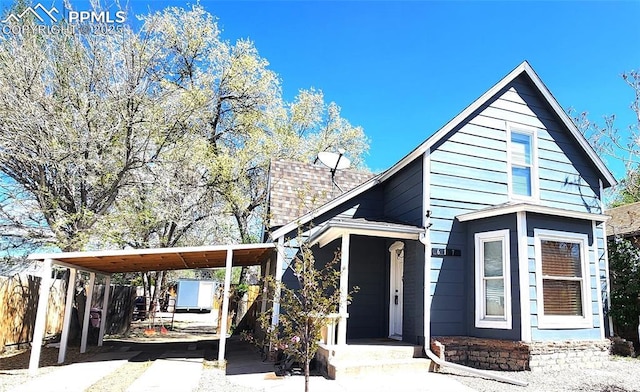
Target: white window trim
x=482, y=320
x=564, y=322
x=535, y=180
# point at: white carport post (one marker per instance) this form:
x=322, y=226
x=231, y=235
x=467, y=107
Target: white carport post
x=105, y=308
x=344, y=289
x=41, y=317
x=225, y=306
x=68, y=307
x=87, y=312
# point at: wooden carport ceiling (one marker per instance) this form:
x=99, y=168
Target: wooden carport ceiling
x=135, y=260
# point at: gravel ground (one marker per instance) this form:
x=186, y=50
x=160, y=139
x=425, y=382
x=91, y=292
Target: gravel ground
x=620, y=374
x=617, y=375
x=213, y=379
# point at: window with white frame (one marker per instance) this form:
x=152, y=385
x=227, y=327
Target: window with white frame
x=493, y=280
x=562, y=279
x=522, y=163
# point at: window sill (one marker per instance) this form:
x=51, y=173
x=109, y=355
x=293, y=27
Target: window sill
x=564, y=323
x=493, y=324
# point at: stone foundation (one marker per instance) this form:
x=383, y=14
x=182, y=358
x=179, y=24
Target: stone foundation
x=496, y=354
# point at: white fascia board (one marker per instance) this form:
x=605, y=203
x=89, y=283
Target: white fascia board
x=566, y=120
x=306, y=218
x=475, y=105
x=512, y=209
x=416, y=153
x=332, y=231
x=151, y=251
x=524, y=67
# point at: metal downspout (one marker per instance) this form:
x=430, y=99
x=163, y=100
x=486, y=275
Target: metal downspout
x=477, y=372
x=425, y=240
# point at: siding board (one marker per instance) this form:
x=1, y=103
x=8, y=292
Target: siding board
x=403, y=194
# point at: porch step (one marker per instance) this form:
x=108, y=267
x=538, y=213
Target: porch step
x=370, y=352
x=339, y=369
x=371, y=357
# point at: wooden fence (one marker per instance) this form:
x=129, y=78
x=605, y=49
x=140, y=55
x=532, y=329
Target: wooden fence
x=19, y=302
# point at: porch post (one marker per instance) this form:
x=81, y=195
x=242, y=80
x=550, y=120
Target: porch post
x=225, y=306
x=87, y=313
x=344, y=289
x=265, y=287
x=68, y=307
x=105, y=308
x=41, y=317
x=523, y=273
x=278, y=276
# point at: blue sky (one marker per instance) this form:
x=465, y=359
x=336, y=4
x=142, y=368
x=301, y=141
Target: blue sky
x=401, y=70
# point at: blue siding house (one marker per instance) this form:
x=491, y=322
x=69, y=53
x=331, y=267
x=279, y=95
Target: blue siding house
x=489, y=235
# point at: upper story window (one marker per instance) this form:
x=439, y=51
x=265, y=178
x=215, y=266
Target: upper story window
x=562, y=280
x=522, y=158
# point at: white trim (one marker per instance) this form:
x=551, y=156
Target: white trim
x=564, y=322
x=533, y=208
x=566, y=120
x=329, y=233
x=275, y=316
x=222, y=344
x=523, y=273
x=66, y=321
x=344, y=289
x=594, y=250
x=535, y=181
x=608, y=277
x=87, y=312
x=265, y=286
x=136, y=252
x=523, y=68
x=425, y=239
x=105, y=308
x=481, y=319
x=41, y=317
x=606, y=262
x=393, y=268
x=286, y=229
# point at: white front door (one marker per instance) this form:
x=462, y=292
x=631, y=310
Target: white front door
x=395, y=290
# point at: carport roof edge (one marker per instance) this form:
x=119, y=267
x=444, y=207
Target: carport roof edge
x=153, y=259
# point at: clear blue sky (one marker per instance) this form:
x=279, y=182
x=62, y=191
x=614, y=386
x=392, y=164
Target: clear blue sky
x=401, y=70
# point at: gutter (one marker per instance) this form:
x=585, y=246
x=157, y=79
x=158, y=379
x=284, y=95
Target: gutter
x=476, y=372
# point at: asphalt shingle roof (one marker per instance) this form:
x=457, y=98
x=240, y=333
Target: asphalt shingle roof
x=625, y=220
x=297, y=188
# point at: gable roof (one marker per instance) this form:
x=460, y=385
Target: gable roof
x=296, y=188
x=526, y=69
x=523, y=69
x=625, y=220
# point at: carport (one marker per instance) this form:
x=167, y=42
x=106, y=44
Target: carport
x=108, y=262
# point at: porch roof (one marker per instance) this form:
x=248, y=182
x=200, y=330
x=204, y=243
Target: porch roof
x=336, y=227
x=511, y=208
x=160, y=259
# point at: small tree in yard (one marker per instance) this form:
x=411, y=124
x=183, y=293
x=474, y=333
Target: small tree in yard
x=304, y=310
